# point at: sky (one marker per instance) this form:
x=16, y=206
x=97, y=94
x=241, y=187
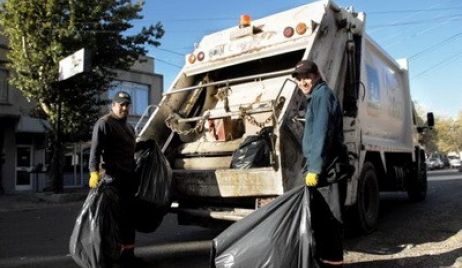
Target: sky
x=427, y=32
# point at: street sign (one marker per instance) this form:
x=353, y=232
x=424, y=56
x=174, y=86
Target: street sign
x=74, y=64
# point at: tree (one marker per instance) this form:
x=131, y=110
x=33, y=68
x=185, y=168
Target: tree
x=41, y=33
x=450, y=137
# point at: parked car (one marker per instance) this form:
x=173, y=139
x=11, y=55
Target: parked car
x=434, y=163
x=440, y=162
x=454, y=161
x=445, y=159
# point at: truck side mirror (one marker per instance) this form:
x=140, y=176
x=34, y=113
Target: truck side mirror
x=430, y=120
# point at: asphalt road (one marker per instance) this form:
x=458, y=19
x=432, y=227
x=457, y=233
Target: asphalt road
x=426, y=234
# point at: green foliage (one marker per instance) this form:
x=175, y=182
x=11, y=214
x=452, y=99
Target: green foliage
x=449, y=134
x=41, y=33
x=446, y=135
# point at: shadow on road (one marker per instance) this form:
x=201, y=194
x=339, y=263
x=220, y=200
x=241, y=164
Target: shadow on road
x=412, y=231
x=444, y=172
x=193, y=254
x=448, y=259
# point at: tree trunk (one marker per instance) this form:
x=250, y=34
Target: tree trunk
x=2, y=159
x=57, y=165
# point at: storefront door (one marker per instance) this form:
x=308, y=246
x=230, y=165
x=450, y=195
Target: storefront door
x=23, y=167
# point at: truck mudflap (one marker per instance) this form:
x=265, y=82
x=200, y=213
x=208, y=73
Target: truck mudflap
x=228, y=182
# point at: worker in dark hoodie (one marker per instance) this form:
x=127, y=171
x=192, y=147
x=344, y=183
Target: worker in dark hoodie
x=322, y=144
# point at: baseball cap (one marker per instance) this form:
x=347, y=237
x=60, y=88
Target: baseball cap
x=305, y=67
x=122, y=97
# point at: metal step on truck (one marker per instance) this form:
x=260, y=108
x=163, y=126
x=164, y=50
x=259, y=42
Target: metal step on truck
x=238, y=81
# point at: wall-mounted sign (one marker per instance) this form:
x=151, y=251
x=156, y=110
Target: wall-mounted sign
x=74, y=64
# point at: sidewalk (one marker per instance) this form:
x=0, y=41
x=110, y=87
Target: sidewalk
x=28, y=201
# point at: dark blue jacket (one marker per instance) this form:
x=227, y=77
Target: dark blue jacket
x=323, y=134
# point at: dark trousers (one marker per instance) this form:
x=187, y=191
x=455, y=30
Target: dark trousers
x=327, y=225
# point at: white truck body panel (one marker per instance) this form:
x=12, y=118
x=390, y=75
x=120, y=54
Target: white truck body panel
x=386, y=112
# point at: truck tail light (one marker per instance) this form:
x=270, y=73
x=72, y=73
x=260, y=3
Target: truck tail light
x=288, y=32
x=200, y=56
x=191, y=58
x=301, y=28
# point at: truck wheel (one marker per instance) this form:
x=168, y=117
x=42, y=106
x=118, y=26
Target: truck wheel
x=368, y=200
x=417, y=185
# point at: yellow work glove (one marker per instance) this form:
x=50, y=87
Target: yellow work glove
x=311, y=179
x=94, y=179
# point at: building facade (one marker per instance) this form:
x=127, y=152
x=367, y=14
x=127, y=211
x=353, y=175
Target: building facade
x=23, y=138
x=145, y=88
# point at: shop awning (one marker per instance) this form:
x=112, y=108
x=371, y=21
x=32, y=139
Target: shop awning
x=29, y=124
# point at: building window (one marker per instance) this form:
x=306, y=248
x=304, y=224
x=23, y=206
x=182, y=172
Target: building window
x=138, y=92
x=3, y=86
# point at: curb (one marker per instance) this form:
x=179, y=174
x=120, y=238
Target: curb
x=61, y=198
x=30, y=201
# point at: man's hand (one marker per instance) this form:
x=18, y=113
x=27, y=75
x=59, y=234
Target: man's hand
x=94, y=179
x=311, y=179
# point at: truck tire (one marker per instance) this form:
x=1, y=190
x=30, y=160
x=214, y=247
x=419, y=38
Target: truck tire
x=368, y=200
x=417, y=184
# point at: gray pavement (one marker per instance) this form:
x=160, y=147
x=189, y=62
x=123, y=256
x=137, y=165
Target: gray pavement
x=35, y=230
x=28, y=201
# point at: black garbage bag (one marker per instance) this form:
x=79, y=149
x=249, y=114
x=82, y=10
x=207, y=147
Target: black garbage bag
x=254, y=151
x=154, y=174
x=94, y=240
x=147, y=216
x=278, y=235
x=340, y=168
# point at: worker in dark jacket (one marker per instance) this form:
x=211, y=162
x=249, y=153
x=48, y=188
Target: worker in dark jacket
x=322, y=144
x=113, y=141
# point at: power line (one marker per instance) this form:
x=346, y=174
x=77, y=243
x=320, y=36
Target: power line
x=439, y=44
x=168, y=63
x=397, y=40
x=429, y=20
x=401, y=19
x=204, y=19
x=171, y=51
x=414, y=10
x=453, y=57
x=427, y=29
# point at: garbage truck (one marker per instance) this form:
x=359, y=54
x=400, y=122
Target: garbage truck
x=237, y=82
